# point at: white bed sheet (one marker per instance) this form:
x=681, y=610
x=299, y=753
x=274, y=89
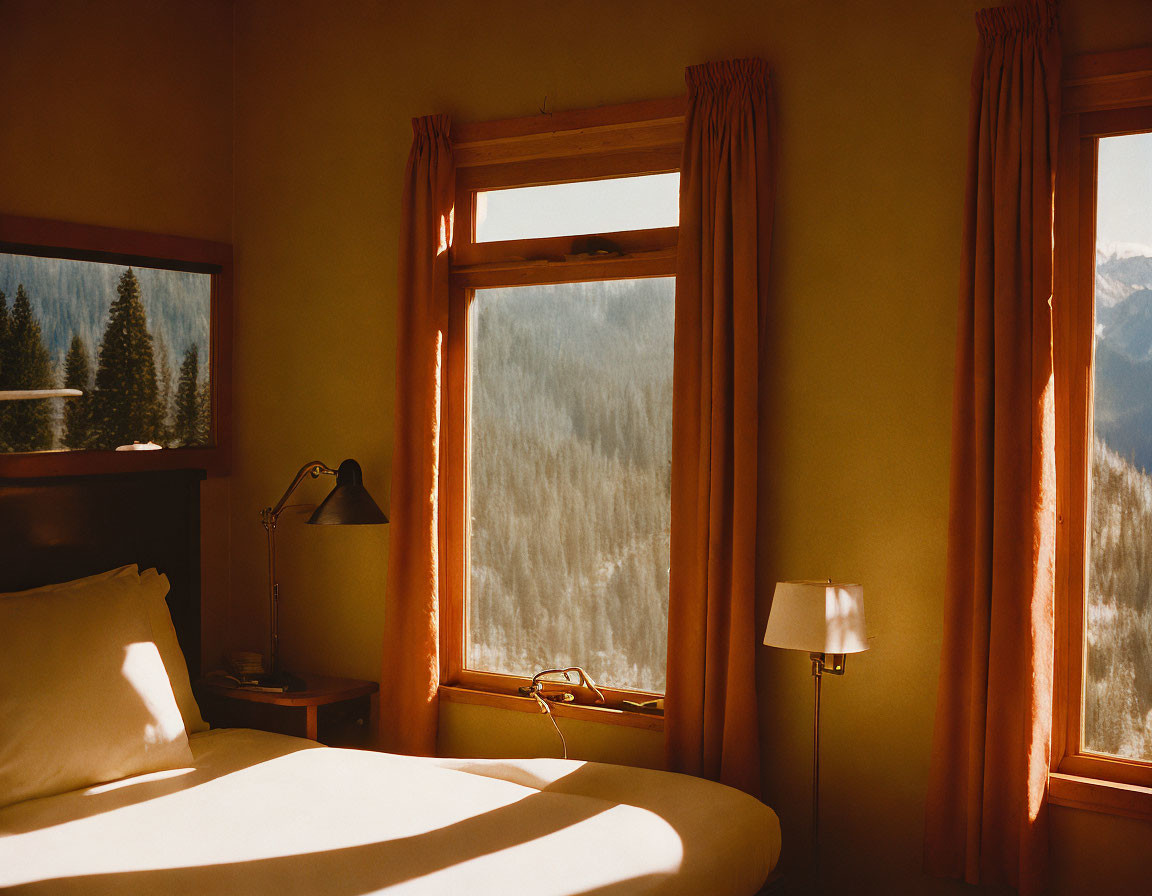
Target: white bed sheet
x=262, y=813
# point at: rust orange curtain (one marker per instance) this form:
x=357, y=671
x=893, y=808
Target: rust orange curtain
x=411, y=672
x=726, y=193
x=986, y=816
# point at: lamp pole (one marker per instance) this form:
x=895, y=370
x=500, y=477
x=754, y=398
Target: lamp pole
x=832, y=663
x=817, y=670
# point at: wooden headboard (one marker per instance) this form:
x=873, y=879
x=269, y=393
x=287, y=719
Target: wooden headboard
x=62, y=528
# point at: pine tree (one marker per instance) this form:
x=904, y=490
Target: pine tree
x=187, y=420
x=204, y=420
x=164, y=391
x=4, y=335
x=78, y=411
x=28, y=423
x=126, y=406
x=5, y=328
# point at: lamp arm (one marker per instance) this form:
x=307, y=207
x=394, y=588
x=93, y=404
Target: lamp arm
x=314, y=468
x=268, y=517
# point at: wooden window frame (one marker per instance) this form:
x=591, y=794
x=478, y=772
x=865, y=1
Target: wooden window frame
x=1104, y=94
x=593, y=144
x=84, y=242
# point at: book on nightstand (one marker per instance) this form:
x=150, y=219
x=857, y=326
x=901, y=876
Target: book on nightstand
x=244, y=683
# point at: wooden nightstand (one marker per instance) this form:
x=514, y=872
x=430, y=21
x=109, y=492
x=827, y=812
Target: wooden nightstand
x=343, y=710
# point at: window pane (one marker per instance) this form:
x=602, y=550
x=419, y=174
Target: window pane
x=124, y=350
x=1118, y=658
x=571, y=446
x=590, y=206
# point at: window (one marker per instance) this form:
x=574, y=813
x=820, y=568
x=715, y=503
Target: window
x=1103, y=343
x=103, y=331
x=559, y=405
x=1117, y=690
x=111, y=340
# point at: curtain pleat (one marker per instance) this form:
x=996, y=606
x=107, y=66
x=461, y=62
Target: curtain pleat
x=411, y=670
x=986, y=817
x=726, y=193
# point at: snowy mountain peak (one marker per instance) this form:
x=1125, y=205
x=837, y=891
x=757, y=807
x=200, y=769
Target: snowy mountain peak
x=1112, y=251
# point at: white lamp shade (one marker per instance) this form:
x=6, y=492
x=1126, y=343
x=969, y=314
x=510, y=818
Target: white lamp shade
x=818, y=617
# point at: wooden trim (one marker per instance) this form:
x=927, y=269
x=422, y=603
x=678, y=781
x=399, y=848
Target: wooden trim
x=498, y=683
x=621, y=114
x=64, y=239
x=454, y=503
x=1108, y=768
x=84, y=463
x=85, y=242
x=603, y=715
x=651, y=123
x=1107, y=80
x=537, y=172
x=519, y=273
x=1064, y=317
x=1077, y=792
x=221, y=322
x=1114, y=122
x=1078, y=294
x=650, y=135
x=464, y=220
x=560, y=248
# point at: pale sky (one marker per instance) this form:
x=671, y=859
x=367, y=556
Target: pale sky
x=598, y=206
x=1124, y=191
x=1124, y=196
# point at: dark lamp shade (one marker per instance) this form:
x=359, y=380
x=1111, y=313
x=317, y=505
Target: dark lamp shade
x=349, y=503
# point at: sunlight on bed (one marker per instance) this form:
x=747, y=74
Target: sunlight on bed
x=286, y=815
x=136, y=780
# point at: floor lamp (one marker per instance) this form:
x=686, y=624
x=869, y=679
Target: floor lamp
x=826, y=620
x=348, y=504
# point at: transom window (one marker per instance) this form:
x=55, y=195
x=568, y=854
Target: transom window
x=588, y=206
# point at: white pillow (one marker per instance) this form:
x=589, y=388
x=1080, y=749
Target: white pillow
x=84, y=697
x=153, y=589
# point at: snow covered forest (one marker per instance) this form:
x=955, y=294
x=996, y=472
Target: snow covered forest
x=571, y=427
x=1118, y=687
x=1117, y=716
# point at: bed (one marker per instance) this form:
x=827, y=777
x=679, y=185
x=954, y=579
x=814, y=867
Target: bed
x=243, y=811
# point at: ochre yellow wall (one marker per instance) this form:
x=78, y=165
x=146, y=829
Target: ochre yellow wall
x=132, y=113
x=873, y=107
x=120, y=114
x=480, y=731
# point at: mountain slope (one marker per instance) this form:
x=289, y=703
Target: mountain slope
x=73, y=297
x=1122, y=387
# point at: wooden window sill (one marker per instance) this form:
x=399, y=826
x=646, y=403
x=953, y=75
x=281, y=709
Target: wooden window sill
x=1096, y=795
x=604, y=715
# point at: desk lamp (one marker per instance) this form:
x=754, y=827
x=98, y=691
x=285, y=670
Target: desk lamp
x=826, y=619
x=348, y=504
